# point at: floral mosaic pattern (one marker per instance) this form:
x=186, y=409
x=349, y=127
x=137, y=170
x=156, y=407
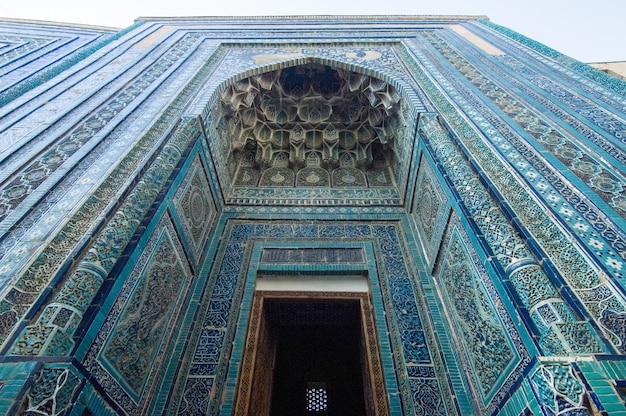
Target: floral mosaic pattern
x=572, y=154
x=508, y=181
x=47, y=337
x=24, y=182
x=484, y=330
x=430, y=205
x=195, y=206
x=141, y=325
x=128, y=354
x=563, y=335
x=592, y=286
x=50, y=216
x=558, y=390
x=564, y=61
x=52, y=393
x=44, y=52
x=601, y=236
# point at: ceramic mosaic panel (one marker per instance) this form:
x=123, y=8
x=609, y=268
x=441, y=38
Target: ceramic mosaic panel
x=312, y=256
x=23, y=182
x=571, y=152
x=494, y=355
x=529, y=143
x=568, y=258
x=586, y=221
x=575, y=267
x=51, y=337
x=194, y=206
x=205, y=373
x=430, y=206
x=123, y=152
x=562, y=63
x=558, y=390
x=127, y=355
x=53, y=391
x=532, y=283
x=28, y=50
x=14, y=376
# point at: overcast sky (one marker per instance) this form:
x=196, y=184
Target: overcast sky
x=588, y=30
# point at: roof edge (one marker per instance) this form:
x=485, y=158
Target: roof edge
x=59, y=24
x=314, y=17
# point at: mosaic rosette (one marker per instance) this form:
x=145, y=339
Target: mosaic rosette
x=195, y=207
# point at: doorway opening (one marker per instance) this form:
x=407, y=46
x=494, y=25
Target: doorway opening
x=317, y=369
x=311, y=354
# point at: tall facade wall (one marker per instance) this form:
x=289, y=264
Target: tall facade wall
x=137, y=222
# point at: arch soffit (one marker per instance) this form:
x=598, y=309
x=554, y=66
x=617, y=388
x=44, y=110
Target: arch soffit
x=409, y=98
x=209, y=99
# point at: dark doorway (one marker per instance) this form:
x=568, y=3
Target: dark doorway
x=311, y=353
x=317, y=368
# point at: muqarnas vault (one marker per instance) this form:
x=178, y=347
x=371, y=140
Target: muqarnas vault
x=357, y=215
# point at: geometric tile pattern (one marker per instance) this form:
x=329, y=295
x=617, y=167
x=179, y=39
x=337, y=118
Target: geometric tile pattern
x=30, y=53
x=566, y=333
x=558, y=390
x=600, y=295
x=50, y=232
x=53, y=391
x=572, y=153
x=430, y=206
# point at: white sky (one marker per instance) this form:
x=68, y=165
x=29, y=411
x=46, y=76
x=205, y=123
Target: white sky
x=588, y=30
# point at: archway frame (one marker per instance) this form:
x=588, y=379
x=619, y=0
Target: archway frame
x=411, y=104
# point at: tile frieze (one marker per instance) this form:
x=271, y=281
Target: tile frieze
x=597, y=233
x=580, y=163
x=522, y=269
x=205, y=373
x=25, y=181
x=19, y=297
x=561, y=63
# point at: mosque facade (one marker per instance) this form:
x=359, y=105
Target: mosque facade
x=386, y=215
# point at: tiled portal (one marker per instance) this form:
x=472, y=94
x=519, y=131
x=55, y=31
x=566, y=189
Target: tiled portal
x=459, y=188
